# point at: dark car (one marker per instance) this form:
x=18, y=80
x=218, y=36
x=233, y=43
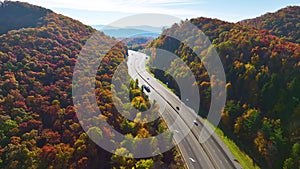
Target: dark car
x=147, y=88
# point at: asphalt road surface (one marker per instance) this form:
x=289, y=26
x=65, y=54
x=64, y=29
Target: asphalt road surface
x=211, y=154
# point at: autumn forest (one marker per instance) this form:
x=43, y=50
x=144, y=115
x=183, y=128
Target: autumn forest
x=39, y=127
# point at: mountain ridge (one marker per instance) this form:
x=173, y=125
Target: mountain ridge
x=283, y=23
x=39, y=125
x=262, y=72
x=25, y=15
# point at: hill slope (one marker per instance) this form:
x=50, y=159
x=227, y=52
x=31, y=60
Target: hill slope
x=23, y=16
x=262, y=71
x=38, y=124
x=283, y=23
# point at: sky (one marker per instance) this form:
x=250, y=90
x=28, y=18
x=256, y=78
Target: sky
x=102, y=12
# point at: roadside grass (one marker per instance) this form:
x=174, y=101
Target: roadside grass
x=245, y=161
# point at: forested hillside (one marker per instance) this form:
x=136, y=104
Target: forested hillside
x=38, y=124
x=283, y=23
x=24, y=16
x=39, y=127
x=262, y=112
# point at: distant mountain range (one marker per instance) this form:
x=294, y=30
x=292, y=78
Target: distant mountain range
x=130, y=31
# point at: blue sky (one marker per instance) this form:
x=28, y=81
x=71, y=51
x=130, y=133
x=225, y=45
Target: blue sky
x=94, y=12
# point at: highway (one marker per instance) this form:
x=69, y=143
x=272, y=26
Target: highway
x=213, y=153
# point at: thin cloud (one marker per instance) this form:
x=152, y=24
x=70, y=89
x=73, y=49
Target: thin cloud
x=132, y=6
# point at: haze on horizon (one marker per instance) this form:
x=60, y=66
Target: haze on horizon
x=94, y=12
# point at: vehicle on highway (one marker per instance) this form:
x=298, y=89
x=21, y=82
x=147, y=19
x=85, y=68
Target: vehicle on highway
x=196, y=123
x=147, y=88
x=192, y=159
x=236, y=160
x=176, y=131
x=177, y=108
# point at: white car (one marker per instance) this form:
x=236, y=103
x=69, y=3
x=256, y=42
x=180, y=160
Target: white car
x=192, y=159
x=176, y=131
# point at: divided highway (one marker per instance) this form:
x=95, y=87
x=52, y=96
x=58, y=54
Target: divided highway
x=213, y=153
